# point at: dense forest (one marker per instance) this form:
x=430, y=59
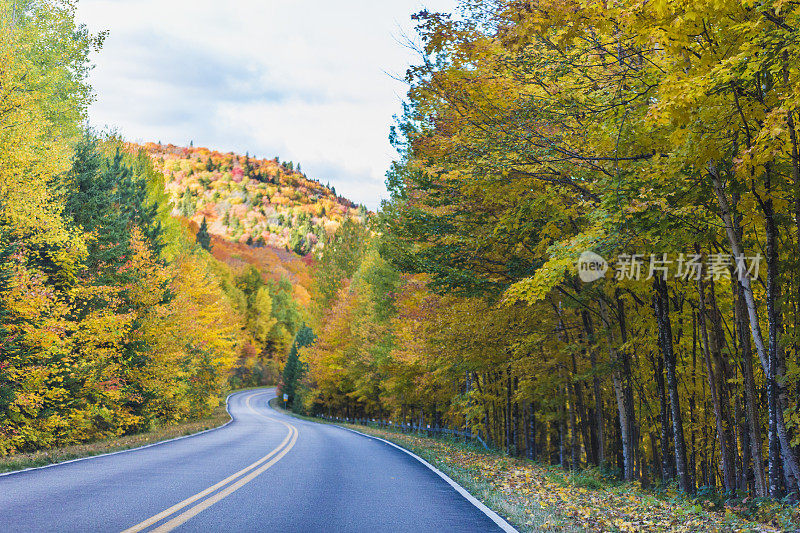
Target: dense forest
x=586, y=259
x=120, y=312
x=652, y=144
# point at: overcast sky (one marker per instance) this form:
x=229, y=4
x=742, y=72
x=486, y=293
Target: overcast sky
x=308, y=81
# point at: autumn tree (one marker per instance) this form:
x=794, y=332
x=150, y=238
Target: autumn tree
x=660, y=137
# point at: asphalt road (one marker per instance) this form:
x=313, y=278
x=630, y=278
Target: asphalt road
x=263, y=471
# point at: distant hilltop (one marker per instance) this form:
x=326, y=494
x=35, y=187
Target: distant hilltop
x=260, y=202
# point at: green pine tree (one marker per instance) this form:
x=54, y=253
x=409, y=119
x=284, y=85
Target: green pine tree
x=295, y=369
x=203, y=237
x=297, y=243
x=106, y=197
x=9, y=346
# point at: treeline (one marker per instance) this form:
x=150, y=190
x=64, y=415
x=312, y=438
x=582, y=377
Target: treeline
x=660, y=136
x=112, y=318
x=271, y=316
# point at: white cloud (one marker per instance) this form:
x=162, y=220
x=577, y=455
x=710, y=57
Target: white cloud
x=304, y=80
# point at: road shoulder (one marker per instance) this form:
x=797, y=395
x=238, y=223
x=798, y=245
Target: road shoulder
x=476, y=494
x=536, y=497
x=75, y=452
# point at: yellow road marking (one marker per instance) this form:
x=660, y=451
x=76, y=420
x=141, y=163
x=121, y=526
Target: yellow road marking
x=282, y=449
x=205, y=504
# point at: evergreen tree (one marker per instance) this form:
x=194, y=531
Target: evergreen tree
x=297, y=243
x=9, y=347
x=295, y=369
x=187, y=209
x=107, y=198
x=203, y=237
x=246, y=167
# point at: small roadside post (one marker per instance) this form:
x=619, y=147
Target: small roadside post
x=285, y=399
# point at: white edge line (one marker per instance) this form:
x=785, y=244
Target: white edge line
x=227, y=410
x=496, y=518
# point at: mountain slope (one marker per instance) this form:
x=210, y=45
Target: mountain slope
x=261, y=202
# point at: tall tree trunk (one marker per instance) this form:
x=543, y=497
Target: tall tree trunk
x=562, y=432
x=486, y=434
x=574, y=447
x=583, y=419
x=684, y=479
x=534, y=450
x=750, y=398
x=727, y=468
x=707, y=469
x=527, y=414
x=598, y=394
x=664, y=437
x=742, y=483
x=778, y=436
x=515, y=421
x=554, y=441
x=507, y=413
x=723, y=374
x=467, y=390
x=773, y=320
x=627, y=384
x=693, y=403
x=624, y=406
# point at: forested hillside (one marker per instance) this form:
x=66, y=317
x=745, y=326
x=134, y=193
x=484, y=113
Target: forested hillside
x=111, y=319
x=255, y=201
x=121, y=308
x=262, y=219
x=540, y=137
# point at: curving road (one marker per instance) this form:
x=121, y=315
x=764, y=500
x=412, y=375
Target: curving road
x=263, y=471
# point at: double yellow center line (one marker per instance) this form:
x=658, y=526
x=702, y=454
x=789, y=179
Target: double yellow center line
x=231, y=483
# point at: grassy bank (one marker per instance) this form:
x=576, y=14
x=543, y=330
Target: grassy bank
x=76, y=451
x=536, y=497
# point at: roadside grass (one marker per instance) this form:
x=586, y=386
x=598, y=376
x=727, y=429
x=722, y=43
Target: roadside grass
x=45, y=457
x=536, y=497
